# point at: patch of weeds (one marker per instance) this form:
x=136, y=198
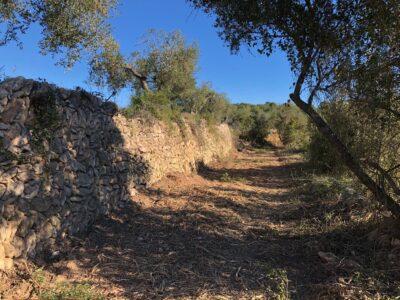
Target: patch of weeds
x=306, y=226
x=38, y=276
x=70, y=291
x=225, y=177
x=324, y=187
x=259, y=150
x=278, y=284
x=46, y=290
x=328, y=217
x=373, y=284
x=240, y=179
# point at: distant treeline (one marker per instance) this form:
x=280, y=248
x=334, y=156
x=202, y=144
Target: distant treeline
x=170, y=92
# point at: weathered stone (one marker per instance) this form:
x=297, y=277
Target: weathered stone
x=3, y=231
x=61, y=184
x=84, y=191
x=31, y=190
x=77, y=166
x=11, y=172
x=76, y=199
x=38, y=168
x=30, y=242
x=8, y=211
x=11, y=112
x=84, y=180
x=4, y=126
x=24, y=175
x=2, y=252
x=19, y=247
x=40, y=204
x=57, y=145
x=25, y=226
x=18, y=189
x=3, y=190
x=47, y=231
x=109, y=108
x=3, y=97
x=8, y=230
x=6, y=264
x=10, y=251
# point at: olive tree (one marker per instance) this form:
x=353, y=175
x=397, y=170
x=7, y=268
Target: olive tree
x=166, y=64
x=69, y=27
x=330, y=45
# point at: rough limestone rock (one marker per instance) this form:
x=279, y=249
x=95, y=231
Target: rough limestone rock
x=67, y=157
x=177, y=149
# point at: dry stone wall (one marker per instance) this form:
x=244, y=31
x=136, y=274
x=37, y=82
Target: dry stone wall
x=172, y=148
x=66, y=157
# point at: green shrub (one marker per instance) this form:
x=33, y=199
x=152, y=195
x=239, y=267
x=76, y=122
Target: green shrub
x=351, y=131
x=157, y=105
x=293, y=127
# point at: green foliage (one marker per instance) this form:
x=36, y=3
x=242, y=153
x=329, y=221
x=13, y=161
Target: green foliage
x=322, y=187
x=344, y=51
x=47, y=290
x=255, y=122
x=375, y=142
x=69, y=27
x=169, y=66
x=225, y=177
x=107, y=67
x=38, y=276
x=154, y=104
x=241, y=119
x=293, y=127
x=209, y=105
x=70, y=291
x=279, y=284
x=168, y=63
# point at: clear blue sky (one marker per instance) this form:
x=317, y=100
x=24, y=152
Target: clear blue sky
x=246, y=77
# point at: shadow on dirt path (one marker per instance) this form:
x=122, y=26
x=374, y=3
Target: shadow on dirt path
x=231, y=232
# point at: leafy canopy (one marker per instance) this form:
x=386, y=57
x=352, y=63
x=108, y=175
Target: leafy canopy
x=339, y=50
x=69, y=27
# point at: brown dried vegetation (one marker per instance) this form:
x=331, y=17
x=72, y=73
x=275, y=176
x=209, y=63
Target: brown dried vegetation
x=268, y=235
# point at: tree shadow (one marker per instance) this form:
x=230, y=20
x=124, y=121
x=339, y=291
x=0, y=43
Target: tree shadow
x=158, y=253
x=262, y=177
x=162, y=254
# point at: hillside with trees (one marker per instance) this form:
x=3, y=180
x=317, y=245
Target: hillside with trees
x=306, y=207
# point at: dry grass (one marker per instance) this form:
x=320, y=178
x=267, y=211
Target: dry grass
x=257, y=238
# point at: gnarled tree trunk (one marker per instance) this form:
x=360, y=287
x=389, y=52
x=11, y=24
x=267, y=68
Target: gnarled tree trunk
x=140, y=77
x=380, y=194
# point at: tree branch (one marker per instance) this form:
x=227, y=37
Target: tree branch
x=385, y=175
x=385, y=199
x=140, y=77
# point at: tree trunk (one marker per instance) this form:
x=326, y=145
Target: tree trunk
x=140, y=77
x=384, y=198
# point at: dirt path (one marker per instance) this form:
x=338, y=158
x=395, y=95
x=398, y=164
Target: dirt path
x=234, y=232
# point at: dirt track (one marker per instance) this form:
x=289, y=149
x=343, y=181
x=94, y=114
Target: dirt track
x=228, y=232
x=238, y=230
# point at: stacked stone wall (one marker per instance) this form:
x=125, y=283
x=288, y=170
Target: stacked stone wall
x=67, y=157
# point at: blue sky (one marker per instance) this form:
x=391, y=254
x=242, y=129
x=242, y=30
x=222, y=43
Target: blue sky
x=245, y=77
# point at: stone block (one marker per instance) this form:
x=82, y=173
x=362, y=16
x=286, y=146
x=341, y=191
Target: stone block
x=6, y=264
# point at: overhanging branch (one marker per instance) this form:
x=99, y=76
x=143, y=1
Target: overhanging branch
x=140, y=77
